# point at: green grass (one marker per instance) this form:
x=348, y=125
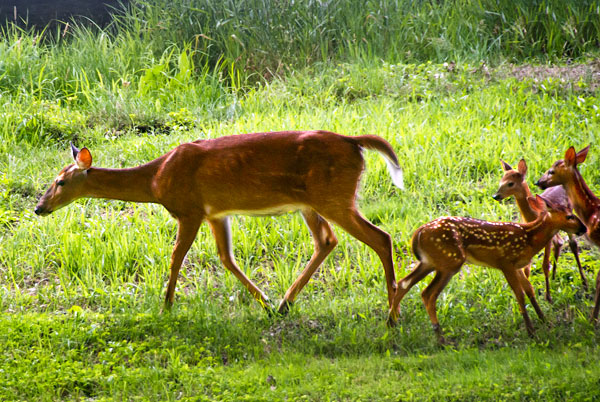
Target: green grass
x=81, y=290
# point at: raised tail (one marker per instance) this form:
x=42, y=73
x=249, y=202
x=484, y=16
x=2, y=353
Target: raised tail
x=380, y=145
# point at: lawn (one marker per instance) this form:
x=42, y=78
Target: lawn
x=81, y=290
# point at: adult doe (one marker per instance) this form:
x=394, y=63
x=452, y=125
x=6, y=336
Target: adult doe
x=315, y=172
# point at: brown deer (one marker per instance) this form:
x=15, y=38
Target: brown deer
x=587, y=206
x=446, y=244
x=316, y=172
x=513, y=183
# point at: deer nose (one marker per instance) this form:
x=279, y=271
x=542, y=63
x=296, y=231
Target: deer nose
x=540, y=184
x=497, y=197
x=582, y=230
x=40, y=210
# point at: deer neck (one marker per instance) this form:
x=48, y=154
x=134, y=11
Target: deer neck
x=528, y=214
x=540, y=231
x=131, y=184
x=585, y=203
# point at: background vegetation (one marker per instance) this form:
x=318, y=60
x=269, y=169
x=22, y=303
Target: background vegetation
x=454, y=86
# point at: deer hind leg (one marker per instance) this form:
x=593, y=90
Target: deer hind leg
x=186, y=233
x=430, y=295
x=325, y=241
x=222, y=233
x=404, y=285
x=546, y=269
x=512, y=277
x=575, y=250
x=352, y=222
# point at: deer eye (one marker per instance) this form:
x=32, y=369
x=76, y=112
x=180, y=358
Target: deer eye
x=60, y=183
x=570, y=217
x=551, y=171
x=511, y=184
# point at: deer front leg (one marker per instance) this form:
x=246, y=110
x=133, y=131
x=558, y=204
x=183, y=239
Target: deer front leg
x=186, y=233
x=515, y=284
x=546, y=269
x=597, y=301
x=530, y=292
x=222, y=233
x=575, y=250
x=325, y=241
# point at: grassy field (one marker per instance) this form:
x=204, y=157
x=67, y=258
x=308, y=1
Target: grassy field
x=81, y=290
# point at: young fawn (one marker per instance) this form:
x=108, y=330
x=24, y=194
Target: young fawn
x=587, y=206
x=513, y=183
x=316, y=172
x=446, y=244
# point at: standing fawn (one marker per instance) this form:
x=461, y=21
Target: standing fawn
x=513, y=184
x=445, y=244
x=564, y=172
x=316, y=172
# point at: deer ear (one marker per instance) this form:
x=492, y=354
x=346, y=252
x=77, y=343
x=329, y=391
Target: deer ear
x=505, y=166
x=75, y=151
x=581, y=155
x=83, y=159
x=570, y=157
x=537, y=204
x=522, y=167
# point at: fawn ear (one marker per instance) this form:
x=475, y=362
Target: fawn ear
x=505, y=166
x=581, y=155
x=83, y=157
x=537, y=204
x=522, y=167
x=570, y=157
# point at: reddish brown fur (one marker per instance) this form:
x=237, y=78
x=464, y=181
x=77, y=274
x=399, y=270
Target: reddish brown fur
x=513, y=183
x=445, y=244
x=564, y=172
x=316, y=172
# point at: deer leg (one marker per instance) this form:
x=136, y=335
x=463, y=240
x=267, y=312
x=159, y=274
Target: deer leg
x=546, y=269
x=222, y=233
x=557, y=244
x=381, y=242
x=575, y=251
x=513, y=280
x=530, y=292
x=404, y=285
x=430, y=295
x=596, y=300
x=186, y=233
x=527, y=270
x=325, y=241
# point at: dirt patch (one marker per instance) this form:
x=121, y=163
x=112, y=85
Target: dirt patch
x=588, y=73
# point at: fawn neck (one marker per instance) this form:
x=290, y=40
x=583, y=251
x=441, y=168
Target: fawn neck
x=528, y=214
x=540, y=231
x=584, y=201
x=131, y=184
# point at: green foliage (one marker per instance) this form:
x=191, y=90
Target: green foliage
x=81, y=290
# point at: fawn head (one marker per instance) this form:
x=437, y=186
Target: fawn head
x=68, y=185
x=561, y=217
x=563, y=170
x=512, y=181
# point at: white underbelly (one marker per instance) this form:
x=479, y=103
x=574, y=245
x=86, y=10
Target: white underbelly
x=212, y=212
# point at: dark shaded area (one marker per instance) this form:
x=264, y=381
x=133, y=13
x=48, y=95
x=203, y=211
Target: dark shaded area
x=40, y=13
